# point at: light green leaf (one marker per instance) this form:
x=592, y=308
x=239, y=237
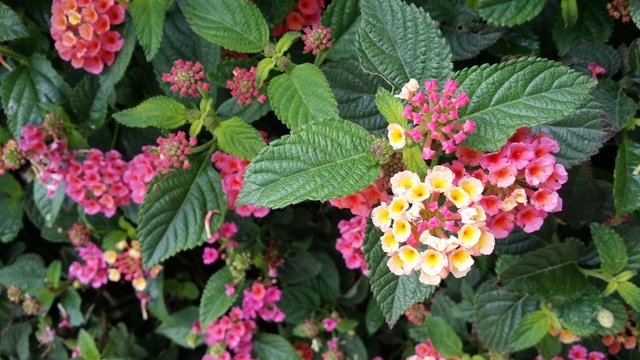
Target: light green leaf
x=509, y=12
x=302, y=96
x=233, y=24
x=611, y=249
x=273, y=347
x=214, y=303
x=148, y=20
x=444, y=339
x=394, y=294
x=299, y=303
x=320, y=161
x=238, y=138
x=161, y=111
x=87, y=345
x=178, y=325
x=531, y=329
x=498, y=314
x=569, y=9
x=594, y=25
x=54, y=271
x=523, y=92
x=11, y=26
x=626, y=177
x=630, y=293
x=48, y=207
x=412, y=157
x=390, y=107
x=171, y=218
x=286, y=41
x=355, y=93
x=390, y=45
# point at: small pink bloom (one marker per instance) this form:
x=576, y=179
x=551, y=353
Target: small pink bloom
x=210, y=255
x=530, y=219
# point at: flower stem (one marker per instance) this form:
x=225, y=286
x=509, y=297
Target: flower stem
x=14, y=55
x=204, y=146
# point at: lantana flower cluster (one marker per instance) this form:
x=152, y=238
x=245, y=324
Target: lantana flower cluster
x=223, y=240
x=186, y=78
x=426, y=351
x=627, y=338
x=578, y=352
x=317, y=38
x=619, y=9
x=245, y=88
x=232, y=170
x=83, y=34
x=304, y=13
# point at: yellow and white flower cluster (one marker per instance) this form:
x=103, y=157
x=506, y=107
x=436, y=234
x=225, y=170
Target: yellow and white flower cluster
x=434, y=226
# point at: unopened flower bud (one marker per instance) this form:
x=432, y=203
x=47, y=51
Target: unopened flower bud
x=14, y=293
x=605, y=318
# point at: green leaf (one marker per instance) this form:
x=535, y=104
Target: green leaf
x=442, y=306
x=374, y=318
x=148, y=20
x=71, y=301
x=238, y=138
x=550, y=273
x=89, y=100
x=327, y=282
x=579, y=316
x=171, y=218
x=340, y=16
x=355, y=92
x=619, y=109
x=178, y=326
x=523, y=92
x=630, y=293
x=11, y=203
x=10, y=25
x=394, y=294
x=611, y=249
x=579, y=58
x=161, y=111
x=54, y=271
x=298, y=303
x=549, y=346
x=498, y=314
x=302, y=96
x=626, y=179
x=345, y=47
x=390, y=107
x=390, y=45
x=509, y=12
x=300, y=267
x=213, y=303
x=412, y=157
x=114, y=73
x=444, y=339
x=286, y=41
x=88, y=348
x=531, y=329
x=569, y=9
x=273, y=347
x=48, y=207
x=634, y=11
x=466, y=44
x=27, y=270
x=320, y=161
x=14, y=343
x=233, y=24
x=26, y=87
x=594, y=25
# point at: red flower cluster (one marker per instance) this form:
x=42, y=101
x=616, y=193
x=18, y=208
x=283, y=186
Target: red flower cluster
x=244, y=87
x=426, y=351
x=316, y=38
x=304, y=13
x=186, y=78
x=82, y=32
x=619, y=9
x=627, y=338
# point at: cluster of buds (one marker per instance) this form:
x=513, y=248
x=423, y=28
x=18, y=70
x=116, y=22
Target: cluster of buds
x=596, y=70
x=434, y=116
x=30, y=305
x=349, y=244
x=186, y=78
x=11, y=158
x=245, y=88
x=126, y=264
x=426, y=351
x=627, y=338
x=578, y=352
x=303, y=13
x=416, y=314
x=173, y=151
x=82, y=32
x=619, y=9
x=316, y=38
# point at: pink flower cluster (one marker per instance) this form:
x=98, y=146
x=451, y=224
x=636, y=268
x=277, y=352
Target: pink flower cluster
x=92, y=270
x=224, y=238
x=244, y=87
x=426, y=351
x=619, y=9
x=234, y=332
x=232, y=170
x=332, y=352
x=186, y=78
x=433, y=114
x=82, y=32
x=578, y=352
x=349, y=244
x=316, y=38
x=304, y=13
x=596, y=70
x=416, y=314
x=173, y=151
x=521, y=181
x=360, y=203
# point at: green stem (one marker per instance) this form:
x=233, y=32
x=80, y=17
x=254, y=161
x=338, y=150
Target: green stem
x=115, y=135
x=322, y=55
x=594, y=273
x=204, y=146
x=17, y=57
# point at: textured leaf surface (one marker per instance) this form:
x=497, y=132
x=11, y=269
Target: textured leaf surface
x=302, y=96
x=389, y=44
x=445, y=340
x=248, y=113
x=320, y=161
x=298, y=303
x=172, y=214
x=340, y=16
x=355, y=93
x=626, y=179
x=498, y=313
x=238, y=138
x=579, y=316
x=549, y=273
x=27, y=270
x=215, y=302
x=631, y=294
x=611, y=248
x=273, y=347
x=579, y=58
x=233, y=24
x=509, y=12
x=11, y=203
x=148, y=20
x=619, y=109
x=393, y=293
x=634, y=11
x=160, y=111
x=516, y=93
x=10, y=25
x=594, y=25
x=48, y=207
x=531, y=329
x=178, y=325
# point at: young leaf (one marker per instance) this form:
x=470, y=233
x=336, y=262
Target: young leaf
x=630, y=293
x=531, y=329
x=160, y=111
x=214, y=303
x=509, y=12
x=10, y=25
x=399, y=41
x=523, y=92
x=394, y=294
x=87, y=345
x=302, y=96
x=611, y=248
x=390, y=107
x=148, y=20
x=445, y=340
x=320, y=161
x=569, y=9
x=233, y=24
x=412, y=157
x=238, y=138
x=354, y=91
x=273, y=347
x=626, y=182
x=171, y=218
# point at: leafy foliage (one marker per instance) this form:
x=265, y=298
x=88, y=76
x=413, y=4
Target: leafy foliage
x=238, y=138
x=148, y=19
x=10, y=25
x=504, y=12
x=626, y=183
x=161, y=112
x=212, y=304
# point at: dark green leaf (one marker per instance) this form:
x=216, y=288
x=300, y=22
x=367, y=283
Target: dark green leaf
x=273, y=347
x=178, y=326
x=10, y=25
x=594, y=25
x=11, y=203
x=444, y=339
x=214, y=303
x=28, y=270
x=579, y=316
x=299, y=304
x=509, y=12
x=626, y=176
x=49, y=206
x=249, y=113
x=581, y=56
x=327, y=282
x=374, y=317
